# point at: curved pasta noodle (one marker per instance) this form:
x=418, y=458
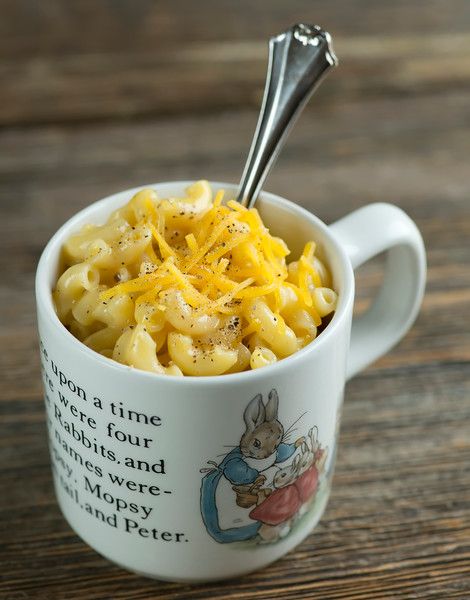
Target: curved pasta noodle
x=103, y=339
x=83, y=310
x=195, y=204
x=261, y=357
x=324, y=300
x=151, y=316
x=288, y=299
x=100, y=254
x=199, y=361
x=117, y=312
x=77, y=247
x=136, y=348
x=243, y=359
x=322, y=271
x=71, y=285
x=273, y=329
x=303, y=324
x=183, y=318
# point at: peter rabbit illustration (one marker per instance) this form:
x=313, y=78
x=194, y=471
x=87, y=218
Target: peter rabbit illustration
x=307, y=480
x=307, y=457
x=321, y=455
x=287, y=474
x=230, y=488
x=277, y=510
x=295, y=489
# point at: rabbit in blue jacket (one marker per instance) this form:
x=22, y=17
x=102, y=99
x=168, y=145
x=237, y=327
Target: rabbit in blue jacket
x=260, y=448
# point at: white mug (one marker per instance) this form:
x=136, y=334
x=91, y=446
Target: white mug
x=194, y=479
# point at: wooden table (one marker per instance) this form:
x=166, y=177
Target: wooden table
x=98, y=97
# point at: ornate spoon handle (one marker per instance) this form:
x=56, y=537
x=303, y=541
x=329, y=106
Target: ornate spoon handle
x=298, y=59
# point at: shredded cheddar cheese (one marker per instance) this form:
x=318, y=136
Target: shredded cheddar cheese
x=198, y=278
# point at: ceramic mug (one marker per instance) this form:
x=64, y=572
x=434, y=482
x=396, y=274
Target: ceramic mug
x=194, y=479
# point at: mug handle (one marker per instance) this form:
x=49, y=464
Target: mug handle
x=363, y=234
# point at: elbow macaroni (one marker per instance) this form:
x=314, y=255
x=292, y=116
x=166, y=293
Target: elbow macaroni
x=262, y=357
x=189, y=286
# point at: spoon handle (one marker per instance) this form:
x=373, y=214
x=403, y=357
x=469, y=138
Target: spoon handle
x=298, y=59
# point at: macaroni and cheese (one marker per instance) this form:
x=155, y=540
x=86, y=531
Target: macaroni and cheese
x=190, y=286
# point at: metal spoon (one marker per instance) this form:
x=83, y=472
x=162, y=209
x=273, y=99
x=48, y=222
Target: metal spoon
x=298, y=59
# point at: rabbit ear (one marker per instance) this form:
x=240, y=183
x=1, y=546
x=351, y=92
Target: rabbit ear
x=254, y=413
x=305, y=447
x=313, y=435
x=272, y=406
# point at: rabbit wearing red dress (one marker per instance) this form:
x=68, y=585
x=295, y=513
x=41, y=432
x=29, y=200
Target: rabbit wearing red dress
x=276, y=512
x=295, y=487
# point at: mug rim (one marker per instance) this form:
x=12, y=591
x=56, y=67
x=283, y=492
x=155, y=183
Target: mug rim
x=54, y=245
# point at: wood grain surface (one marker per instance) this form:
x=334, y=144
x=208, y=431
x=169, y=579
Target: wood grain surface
x=98, y=97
